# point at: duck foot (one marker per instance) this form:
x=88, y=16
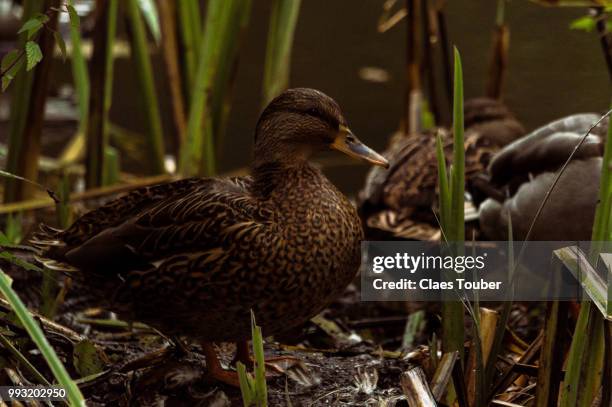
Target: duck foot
x=275, y=366
x=215, y=370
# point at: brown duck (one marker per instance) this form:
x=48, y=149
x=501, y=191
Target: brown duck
x=398, y=203
x=193, y=257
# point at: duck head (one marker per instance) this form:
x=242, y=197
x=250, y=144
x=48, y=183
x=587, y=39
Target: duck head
x=301, y=122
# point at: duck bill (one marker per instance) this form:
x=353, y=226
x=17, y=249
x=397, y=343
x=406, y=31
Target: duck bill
x=350, y=145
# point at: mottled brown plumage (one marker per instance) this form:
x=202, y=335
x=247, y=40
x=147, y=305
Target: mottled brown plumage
x=399, y=202
x=193, y=257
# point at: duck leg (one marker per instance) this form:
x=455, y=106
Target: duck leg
x=276, y=365
x=215, y=370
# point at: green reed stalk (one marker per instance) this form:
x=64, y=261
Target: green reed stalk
x=101, y=93
x=453, y=212
x=189, y=24
x=283, y=19
x=79, y=68
x=224, y=20
x=140, y=50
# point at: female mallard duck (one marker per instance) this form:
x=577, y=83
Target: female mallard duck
x=524, y=172
x=193, y=257
x=398, y=203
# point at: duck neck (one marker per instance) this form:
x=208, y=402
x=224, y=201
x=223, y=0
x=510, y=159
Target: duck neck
x=274, y=178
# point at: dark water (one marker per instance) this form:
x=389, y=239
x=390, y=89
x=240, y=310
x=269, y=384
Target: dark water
x=553, y=71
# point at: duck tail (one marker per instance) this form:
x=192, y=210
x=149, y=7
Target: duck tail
x=50, y=249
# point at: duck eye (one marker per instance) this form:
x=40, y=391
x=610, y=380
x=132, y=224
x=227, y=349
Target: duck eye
x=313, y=112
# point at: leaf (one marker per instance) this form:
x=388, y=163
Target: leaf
x=586, y=23
x=75, y=21
x=6, y=81
x=59, y=40
x=33, y=25
x=149, y=12
x=8, y=60
x=88, y=359
x=9, y=75
x=11, y=258
x=33, y=55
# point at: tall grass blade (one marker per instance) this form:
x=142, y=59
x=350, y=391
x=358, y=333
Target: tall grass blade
x=189, y=25
x=445, y=200
x=452, y=311
x=74, y=395
x=226, y=73
x=222, y=22
x=79, y=68
x=283, y=20
x=167, y=15
x=144, y=71
x=458, y=174
x=149, y=13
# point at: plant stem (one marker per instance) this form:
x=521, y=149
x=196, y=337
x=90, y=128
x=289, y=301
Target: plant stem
x=59, y=371
x=144, y=71
x=167, y=13
x=101, y=91
x=27, y=108
x=283, y=20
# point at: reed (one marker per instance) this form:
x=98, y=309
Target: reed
x=27, y=108
x=224, y=20
x=75, y=398
x=452, y=190
x=253, y=386
x=101, y=92
x=283, y=20
x=190, y=26
x=144, y=70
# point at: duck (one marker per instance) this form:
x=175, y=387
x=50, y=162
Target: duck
x=398, y=203
x=194, y=257
x=523, y=172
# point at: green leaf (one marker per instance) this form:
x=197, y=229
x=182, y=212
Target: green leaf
x=149, y=12
x=59, y=40
x=11, y=64
x=75, y=21
x=8, y=60
x=11, y=258
x=74, y=395
x=586, y=23
x=33, y=55
x=88, y=359
x=6, y=81
x=33, y=25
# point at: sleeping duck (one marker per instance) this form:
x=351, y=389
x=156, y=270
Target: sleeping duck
x=399, y=203
x=524, y=171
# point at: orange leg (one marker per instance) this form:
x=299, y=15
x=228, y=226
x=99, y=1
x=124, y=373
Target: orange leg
x=275, y=366
x=215, y=370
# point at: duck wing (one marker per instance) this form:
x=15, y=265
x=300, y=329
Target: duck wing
x=547, y=148
x=152, y=224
